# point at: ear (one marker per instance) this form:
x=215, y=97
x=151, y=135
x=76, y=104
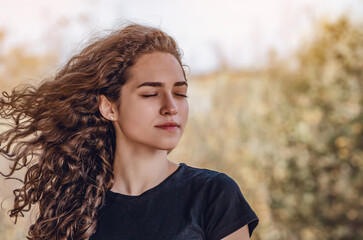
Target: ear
x=107, y=108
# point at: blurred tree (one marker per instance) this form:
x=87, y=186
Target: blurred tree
x=291, y=138
x=321, y=195
x=17, y=66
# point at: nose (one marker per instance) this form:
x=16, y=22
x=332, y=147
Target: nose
x=168, y=106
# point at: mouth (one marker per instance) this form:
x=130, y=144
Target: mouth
x=171, y=126
x=168, y=124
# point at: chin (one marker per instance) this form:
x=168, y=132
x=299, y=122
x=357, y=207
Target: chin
x=167, y=146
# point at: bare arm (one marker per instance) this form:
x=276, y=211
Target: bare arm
x=240, y=234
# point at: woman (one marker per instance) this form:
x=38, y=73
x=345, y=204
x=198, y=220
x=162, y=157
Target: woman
x=95, y=141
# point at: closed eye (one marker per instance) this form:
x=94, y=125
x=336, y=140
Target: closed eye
x=156, y=95
x=149, y=95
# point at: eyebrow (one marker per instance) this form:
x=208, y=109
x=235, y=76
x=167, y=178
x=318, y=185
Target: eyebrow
x=160, y=84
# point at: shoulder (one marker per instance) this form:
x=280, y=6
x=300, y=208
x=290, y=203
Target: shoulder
x=223, y=181
x=222, y=190
x=211, y=185
x=224, y=207
x=200, y=173
x=204, y=178
x=227, y=209
x=212, y=178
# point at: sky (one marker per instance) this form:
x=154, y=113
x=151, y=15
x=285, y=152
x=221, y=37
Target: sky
x=238, y=32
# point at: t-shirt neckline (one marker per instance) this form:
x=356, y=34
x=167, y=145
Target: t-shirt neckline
x=116, y=195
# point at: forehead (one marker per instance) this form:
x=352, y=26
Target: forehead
x=157, y=66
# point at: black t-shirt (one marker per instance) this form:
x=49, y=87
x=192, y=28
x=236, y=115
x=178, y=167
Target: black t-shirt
x=190, y=204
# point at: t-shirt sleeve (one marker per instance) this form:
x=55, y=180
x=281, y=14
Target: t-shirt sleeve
x=227, y=210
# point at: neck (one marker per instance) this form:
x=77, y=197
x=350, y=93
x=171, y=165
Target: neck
x=138, y=169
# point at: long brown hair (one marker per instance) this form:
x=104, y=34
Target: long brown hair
x=59, y=136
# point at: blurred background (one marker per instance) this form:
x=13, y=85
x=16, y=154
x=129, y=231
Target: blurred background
x=275, y=97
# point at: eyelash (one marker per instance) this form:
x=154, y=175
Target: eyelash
x=146, y=96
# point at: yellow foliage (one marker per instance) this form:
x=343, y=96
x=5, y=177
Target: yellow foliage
x=292, y=138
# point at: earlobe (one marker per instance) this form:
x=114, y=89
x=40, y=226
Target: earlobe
x=105, y=107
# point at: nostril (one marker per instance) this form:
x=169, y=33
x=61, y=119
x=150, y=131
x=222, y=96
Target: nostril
x=171, y=111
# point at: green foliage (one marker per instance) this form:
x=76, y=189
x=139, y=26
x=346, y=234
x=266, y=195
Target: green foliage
x=292, y=138
x=325, y=172
x=17, y=66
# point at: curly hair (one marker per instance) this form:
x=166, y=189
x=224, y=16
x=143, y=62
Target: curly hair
x=57, y=134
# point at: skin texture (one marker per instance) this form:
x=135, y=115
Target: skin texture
x=141, y=148
x=56, y=137
x=240, y=234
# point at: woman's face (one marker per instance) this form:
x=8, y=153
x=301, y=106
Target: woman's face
x=153, y=95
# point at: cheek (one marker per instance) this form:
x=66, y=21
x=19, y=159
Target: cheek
x=138, y=114
x=184, y=111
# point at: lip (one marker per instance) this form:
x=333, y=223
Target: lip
x=169, y=128
x=168, y=124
